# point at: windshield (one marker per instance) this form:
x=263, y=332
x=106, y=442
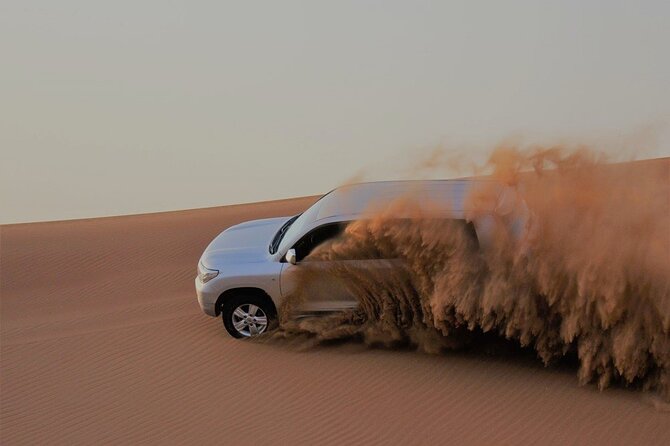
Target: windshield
x=295, y=227
x=274, y=244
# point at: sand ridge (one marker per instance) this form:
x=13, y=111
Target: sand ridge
x=102, y=342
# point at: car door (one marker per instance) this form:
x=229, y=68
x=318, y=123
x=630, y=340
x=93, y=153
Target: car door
x=347, y=283
x=318, y=285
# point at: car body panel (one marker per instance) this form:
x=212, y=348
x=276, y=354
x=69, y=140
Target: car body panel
x=240, y=254
x=243, y=243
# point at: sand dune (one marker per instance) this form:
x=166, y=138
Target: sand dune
x=102, y=341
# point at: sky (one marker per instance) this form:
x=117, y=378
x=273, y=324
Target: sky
x=123, y=107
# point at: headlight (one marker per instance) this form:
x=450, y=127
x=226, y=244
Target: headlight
x=206, y=274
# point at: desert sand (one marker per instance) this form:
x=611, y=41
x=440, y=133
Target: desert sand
x=102, y=341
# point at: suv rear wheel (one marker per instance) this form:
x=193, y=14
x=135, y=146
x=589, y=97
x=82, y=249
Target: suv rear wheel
x=247, y=315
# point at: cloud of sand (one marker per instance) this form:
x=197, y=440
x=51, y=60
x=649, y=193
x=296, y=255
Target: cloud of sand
x=588, y=272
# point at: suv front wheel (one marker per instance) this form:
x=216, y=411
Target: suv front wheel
x=245, y=316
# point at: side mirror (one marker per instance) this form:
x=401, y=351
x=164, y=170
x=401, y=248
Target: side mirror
x=291, y=256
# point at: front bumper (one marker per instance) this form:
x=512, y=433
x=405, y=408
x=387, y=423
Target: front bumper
x=206, y=298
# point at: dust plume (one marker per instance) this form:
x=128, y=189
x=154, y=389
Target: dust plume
x=577, y=261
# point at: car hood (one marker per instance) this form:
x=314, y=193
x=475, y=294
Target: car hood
x=244, y=243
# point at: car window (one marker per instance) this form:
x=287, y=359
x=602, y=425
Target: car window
x=316, y=237
x=373, y=250
x=331, y=231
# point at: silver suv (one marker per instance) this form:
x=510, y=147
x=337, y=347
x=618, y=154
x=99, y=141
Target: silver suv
x=247, y=270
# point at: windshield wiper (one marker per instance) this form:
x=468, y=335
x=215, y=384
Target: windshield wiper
x=280, y=234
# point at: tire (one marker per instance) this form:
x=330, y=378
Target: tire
x=248, y=315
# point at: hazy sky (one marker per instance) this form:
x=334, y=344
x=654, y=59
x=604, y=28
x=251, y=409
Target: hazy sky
x=122, y=107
